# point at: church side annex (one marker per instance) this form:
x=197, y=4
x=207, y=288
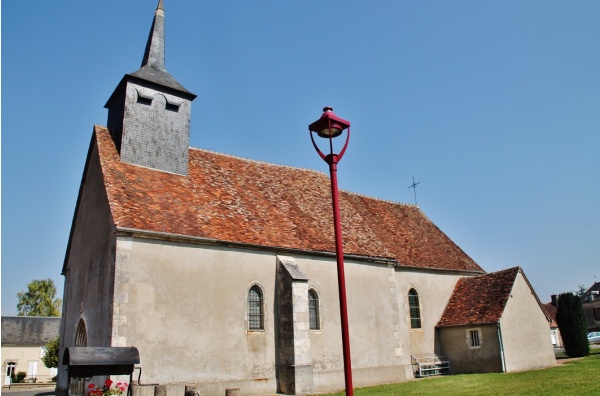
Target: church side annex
x=221, y=270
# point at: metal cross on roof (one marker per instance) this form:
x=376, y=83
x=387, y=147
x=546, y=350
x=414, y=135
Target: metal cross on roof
x=414, y=187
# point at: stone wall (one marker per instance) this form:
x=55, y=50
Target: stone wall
x=89, y=270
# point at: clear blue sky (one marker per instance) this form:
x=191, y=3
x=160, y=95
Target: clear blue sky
x=493, y=106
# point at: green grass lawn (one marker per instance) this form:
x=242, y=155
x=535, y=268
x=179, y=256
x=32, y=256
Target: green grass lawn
x=575, y=377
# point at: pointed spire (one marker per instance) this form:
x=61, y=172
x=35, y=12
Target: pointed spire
x=154, y=56
x=153, y=65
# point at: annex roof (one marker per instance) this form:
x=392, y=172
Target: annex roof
x=237, y=200
x=479, y=299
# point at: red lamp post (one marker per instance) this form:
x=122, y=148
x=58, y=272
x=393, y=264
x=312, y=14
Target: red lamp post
x=330, y=126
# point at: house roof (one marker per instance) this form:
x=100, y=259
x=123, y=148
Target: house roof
x=238, y=200
x=29, y=330
x=479, y=299
x=592, y=294
x=551, y=311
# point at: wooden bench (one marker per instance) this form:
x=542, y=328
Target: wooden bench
x=430, y=364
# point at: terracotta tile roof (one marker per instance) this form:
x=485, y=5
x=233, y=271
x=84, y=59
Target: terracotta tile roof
x=238, y=200
x=479, y=299
x=551, y=312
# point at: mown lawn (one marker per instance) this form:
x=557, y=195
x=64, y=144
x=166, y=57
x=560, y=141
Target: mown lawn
x=576, y=377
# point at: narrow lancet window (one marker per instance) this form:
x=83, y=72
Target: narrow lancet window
x=255, y=309
x=313, y=310
x=415, y=310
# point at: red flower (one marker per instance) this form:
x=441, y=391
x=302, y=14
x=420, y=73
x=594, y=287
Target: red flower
x=108, y=383
x=91, y=386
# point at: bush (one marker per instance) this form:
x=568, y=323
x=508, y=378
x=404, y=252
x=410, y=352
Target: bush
x=20, y=376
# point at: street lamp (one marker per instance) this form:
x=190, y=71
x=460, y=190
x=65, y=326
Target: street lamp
x=330, y=126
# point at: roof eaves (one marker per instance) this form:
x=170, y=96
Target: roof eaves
x=468, y=324
x=431, y=269
x=146, y=234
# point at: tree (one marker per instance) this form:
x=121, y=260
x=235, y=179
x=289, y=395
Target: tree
x=571, y=322
x=39, y=299
x=50, y=358
x=581, y=289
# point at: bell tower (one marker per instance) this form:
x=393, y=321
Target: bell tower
x=149, y=111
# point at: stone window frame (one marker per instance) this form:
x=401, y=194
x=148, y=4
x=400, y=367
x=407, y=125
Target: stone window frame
x=81, y=334
x=318, y=316
x=77, y=385
x=474, y=337
x=263, y=311
x=416, y=321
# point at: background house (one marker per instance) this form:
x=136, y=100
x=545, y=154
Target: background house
x=24, y=340
x=551, y=309
x=222, y=271
x=591, y=307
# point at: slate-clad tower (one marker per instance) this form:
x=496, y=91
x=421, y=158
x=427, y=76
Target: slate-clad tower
x=149, y=111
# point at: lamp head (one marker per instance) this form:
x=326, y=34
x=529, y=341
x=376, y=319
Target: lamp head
x=329, y=125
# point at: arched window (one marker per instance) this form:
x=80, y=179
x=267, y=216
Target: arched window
x=255, y=309
x=313, y=310
x=415, y=311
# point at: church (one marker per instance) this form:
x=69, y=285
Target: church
x=221, y=270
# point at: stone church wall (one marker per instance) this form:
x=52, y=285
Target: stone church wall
x=373, y=324
x=184, y=306
x=434, y=291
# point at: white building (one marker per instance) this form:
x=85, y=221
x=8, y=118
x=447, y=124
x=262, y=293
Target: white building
x=24, y=340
